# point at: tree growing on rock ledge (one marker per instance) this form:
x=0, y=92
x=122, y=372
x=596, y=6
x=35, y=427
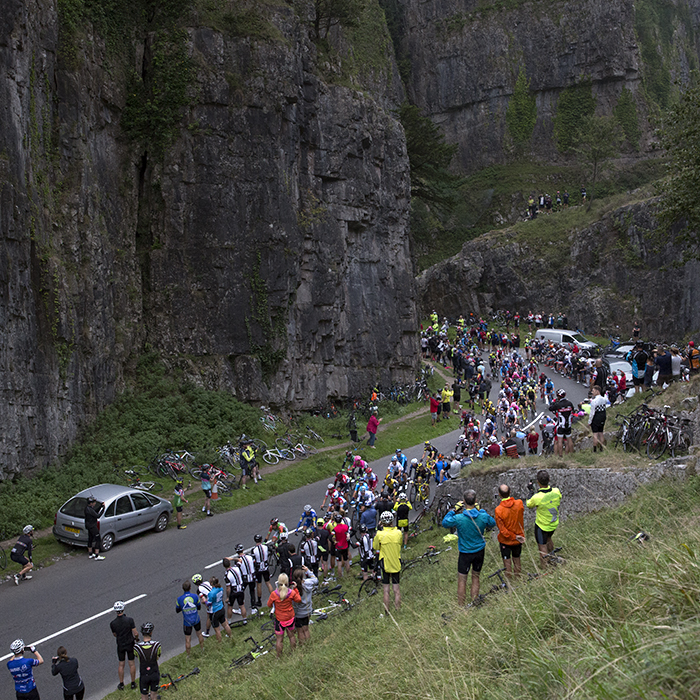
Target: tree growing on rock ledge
x=330, y=13
x=597, y=142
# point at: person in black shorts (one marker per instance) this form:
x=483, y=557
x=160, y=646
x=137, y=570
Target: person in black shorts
x=149, y=652
x=261, y=554
x=324, y=544
x=22, y=554
x=124, y=629
x=93, y=508
x=563, y=409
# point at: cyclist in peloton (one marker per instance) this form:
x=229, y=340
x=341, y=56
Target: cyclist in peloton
x=563, y=409
x=308, y=518
x=276, y=529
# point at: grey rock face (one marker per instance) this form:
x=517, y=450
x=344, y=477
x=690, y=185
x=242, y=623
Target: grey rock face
x=608, y=274
x=266, y=254
x=465, y=58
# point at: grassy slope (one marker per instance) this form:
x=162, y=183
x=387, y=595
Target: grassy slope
x=619, y=620
x=497, y=188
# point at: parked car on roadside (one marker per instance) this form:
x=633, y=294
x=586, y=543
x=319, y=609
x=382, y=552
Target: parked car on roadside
x=569, y=339
x=126, y=512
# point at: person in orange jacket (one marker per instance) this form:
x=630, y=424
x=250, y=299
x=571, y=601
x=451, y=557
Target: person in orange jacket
x=511, y=531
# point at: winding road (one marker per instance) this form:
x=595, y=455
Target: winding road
x=70, y=603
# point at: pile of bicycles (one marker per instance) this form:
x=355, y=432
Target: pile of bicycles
x=654, y=431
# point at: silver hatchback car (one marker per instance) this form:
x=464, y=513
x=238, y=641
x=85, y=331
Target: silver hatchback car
x=126, y=512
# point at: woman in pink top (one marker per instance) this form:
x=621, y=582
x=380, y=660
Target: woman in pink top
x=372, y=426
x=283, y=598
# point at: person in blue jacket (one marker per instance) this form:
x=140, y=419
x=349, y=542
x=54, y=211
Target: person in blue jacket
x=471, y=523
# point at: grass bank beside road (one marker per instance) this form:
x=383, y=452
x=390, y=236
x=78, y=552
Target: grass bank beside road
x=619, y=620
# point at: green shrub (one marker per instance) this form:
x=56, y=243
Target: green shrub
x=521, y=115
x=575, y=104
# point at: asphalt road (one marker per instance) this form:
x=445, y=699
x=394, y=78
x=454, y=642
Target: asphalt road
x=70, y=603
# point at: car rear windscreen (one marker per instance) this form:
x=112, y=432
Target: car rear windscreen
x=75, y=508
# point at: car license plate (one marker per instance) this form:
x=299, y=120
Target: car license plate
x=74, y=530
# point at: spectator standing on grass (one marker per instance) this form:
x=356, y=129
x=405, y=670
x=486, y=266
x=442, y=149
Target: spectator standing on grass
x=218, y=614
x=511, y=530
x=447, y=395
x=546, y=501
x=676, y=361
x=189, y=605
x=471, y=525
x=206, y=489
x=177, y=503
x=533, y=439
x=638, y=359
x=306, y=583
x=434, y=407
x=283, y=599
x=73, y=686
x=372, y=427
x=663, y=362
x=693, y=355
x=124, y=630
x=596, y=418
x=388, y=543
x=148, y=652
x=649, y=369
x=22, y=670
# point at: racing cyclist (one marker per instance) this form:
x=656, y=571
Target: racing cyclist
x=308, y=518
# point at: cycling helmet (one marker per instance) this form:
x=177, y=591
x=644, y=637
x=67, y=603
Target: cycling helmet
x=119, y=606
x=257, y=538
x=309, y=532
x=28, y=529
x=243, y=438
x=471, y=425
x=386, y=518
x=179, y=482
x=493, y=438
x=17, y=647
x=337, y=517
x=427, y=442
x=239, y=548
x=363, y=528
x=283, y=535
x=357, y=458
x=402, y=496
x=394, y=458
x=319, y=521
x=274, y=521
x=398, y=450
x=147, y=628
x=414, y=461
x=307, y=508
x=197, y=579
x=561, y=393
x=330, y=486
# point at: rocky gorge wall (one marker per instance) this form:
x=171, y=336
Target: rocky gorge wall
x=262, y=251
x=610, y=273
x=463, y=57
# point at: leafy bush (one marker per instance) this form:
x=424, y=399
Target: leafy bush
x=575, y=104
x=521, y=114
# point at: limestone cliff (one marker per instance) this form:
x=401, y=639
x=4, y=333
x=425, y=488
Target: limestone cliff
x=610, y=273
x=257, y=241
x=462, y=59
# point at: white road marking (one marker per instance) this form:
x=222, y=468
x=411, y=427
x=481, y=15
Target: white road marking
x=77, y=624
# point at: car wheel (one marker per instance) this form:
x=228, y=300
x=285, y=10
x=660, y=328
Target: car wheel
x=162, y=522
x=107, y=542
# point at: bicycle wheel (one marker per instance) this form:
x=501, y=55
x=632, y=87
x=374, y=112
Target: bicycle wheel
x=289, y=455
x=283, y=444
x=681, y=443
x=225, y=488
x=260, y=445
x=657, y=443
x=270, y=457
x=300, y=452
x=273, y=564
x=309, y=449
x=3, y=558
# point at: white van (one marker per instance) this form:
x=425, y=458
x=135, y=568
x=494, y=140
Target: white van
x=567, y=338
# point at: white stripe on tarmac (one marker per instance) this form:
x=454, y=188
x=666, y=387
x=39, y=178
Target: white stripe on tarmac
x=77, y=624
